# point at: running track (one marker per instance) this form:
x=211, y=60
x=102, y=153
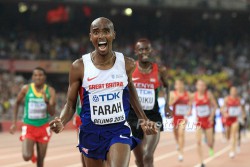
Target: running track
x=63, y=153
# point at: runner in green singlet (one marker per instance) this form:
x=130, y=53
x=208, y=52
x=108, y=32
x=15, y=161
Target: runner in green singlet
x=39, y=105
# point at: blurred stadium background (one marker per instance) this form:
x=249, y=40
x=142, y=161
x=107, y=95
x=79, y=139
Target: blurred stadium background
x=207, y=39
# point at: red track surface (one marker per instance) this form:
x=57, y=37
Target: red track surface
x=63, y=153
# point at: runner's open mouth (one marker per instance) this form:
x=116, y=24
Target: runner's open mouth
x=102, y=45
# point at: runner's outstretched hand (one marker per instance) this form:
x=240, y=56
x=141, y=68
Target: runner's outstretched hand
x=56, y=125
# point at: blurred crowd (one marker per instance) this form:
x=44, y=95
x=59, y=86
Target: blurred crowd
x=221, y=65
x=10, y=86
x=33, y=47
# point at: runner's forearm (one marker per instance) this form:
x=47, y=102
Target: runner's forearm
x=213, y=112
x=167, y=96
x=67, y=114
x=163, y=75
x=15, y=113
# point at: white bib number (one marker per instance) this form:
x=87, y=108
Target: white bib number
x=147, y=98
x=107, y=108
x=181, y=109
x=234, y=111
x=203, y=111
x=37, y=110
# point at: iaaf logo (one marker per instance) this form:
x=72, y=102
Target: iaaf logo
x=106, y=97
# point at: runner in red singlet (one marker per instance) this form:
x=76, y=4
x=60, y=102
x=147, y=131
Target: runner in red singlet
x=147, y=77
x=206, y=106
x=180, y=99
x=231, y=110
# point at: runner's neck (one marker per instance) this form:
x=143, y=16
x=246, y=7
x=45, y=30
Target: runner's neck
x=145, y=67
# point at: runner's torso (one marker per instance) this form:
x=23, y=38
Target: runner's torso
x=180, y=107
x=147, y=87
x=233, y=106
x=35, y=109
x=104, y=94
x=202, y=105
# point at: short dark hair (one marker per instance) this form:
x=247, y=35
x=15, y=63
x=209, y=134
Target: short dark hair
x=143, y=40
x=40, y=69
x=107, y=21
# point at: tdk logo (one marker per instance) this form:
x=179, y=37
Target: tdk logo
x=145, y=92
x=106, y=97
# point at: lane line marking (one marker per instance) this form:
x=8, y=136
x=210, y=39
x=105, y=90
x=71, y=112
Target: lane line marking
x=170, y=154
x=45, y=160
x=217, y=154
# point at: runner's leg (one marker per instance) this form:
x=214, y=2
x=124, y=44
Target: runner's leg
x=90, y=162
x=138, y=152
x=181, y=131
x=209, y=135
x=150, y=144
x=234, y=131
x=199, y=144
x=41, y=152
x=27, y=149
x=118, y=155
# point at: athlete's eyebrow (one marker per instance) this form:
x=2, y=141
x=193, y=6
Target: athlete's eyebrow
x=95, y=28
x=103, y=29
x=107, y=28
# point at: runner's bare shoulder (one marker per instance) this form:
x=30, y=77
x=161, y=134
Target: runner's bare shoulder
x=24, y=89
x=77, y=68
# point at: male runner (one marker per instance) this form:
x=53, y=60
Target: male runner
x=147, y=78
x=103, y=79
x=39, y=105
x=206, y=106
x=231, y=110
x=180, y=99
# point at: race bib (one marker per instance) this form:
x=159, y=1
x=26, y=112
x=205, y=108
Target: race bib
x=37, y=110
x=203, y=111
x=107, y=108
x=234, y=111
x=146, y=98
x=181, y=109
